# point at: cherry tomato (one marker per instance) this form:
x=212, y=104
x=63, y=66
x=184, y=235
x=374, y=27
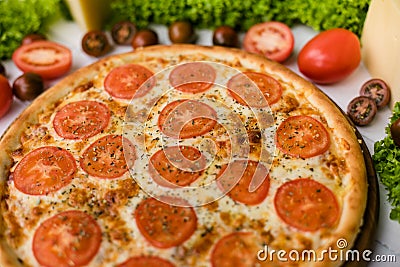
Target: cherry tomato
x=225, y=36
x=271, y=39
x=6, y=96
x=122, y=32
x=28, y=86
x=95, y=43
x=362, y=110
x=330, y=56
x=378, y=90
x=181, y=32
x=395, y=132
x=145, y=37
x=48, y=59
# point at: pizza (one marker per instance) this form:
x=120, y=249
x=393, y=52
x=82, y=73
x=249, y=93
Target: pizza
x=180, y=155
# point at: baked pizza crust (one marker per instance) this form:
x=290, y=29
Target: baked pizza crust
x=354, y=203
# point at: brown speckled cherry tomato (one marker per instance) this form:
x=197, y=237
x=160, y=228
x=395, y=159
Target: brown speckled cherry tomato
x=123, y=32
x=378, y=90
x=95, y=43
x=181, y=32
x=225, y=36
x=145, y=37
x=362, y=110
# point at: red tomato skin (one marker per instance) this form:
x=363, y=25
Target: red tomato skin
x=251, y=43
x=6, y=96
x=47, y=70
x=331, y=56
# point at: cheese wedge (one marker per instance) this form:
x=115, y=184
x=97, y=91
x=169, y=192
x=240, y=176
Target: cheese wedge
x=381, y=44
x=89, y=14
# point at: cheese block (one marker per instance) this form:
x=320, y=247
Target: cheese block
x=381, y=43
x=89, y=14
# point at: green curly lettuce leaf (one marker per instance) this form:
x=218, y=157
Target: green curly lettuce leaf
x=21, y=17
x=387, y=164
x=320, y=15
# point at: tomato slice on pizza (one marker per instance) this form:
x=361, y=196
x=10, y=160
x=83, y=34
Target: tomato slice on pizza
x=306, y=205
x=70, y=238
x=187, y=119
x=236, y=249
x=146, y=261
x=164, y=225
x=81, y=119
x=176, y=166
x=254, y=89
x=44, y=170
x=302, y=136
x=129, y=81
x=193, y=77
x=254, y=172
x=106, y=158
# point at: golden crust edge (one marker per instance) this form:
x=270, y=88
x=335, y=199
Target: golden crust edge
x=355, y=200
x=351, y=219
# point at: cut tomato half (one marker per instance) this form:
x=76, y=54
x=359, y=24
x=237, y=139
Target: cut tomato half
x=70, y=238
x=272, y=39
x=48, y=59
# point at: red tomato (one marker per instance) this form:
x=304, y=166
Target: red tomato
x=236, y=249
x=176, y=166
x=70, y=238
x=302, y=136
x=195, y=77
x=306, y=204
x=48, y=59
x=271, y=39
x=241, y=191
x=330, y=56
x=163, y=225
x=129, y=81
x=81, y=119
x=245, y=87
x=44, y=170
x=106, y=158
x=186, y=119
x=6, y=96
x=146, y=261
